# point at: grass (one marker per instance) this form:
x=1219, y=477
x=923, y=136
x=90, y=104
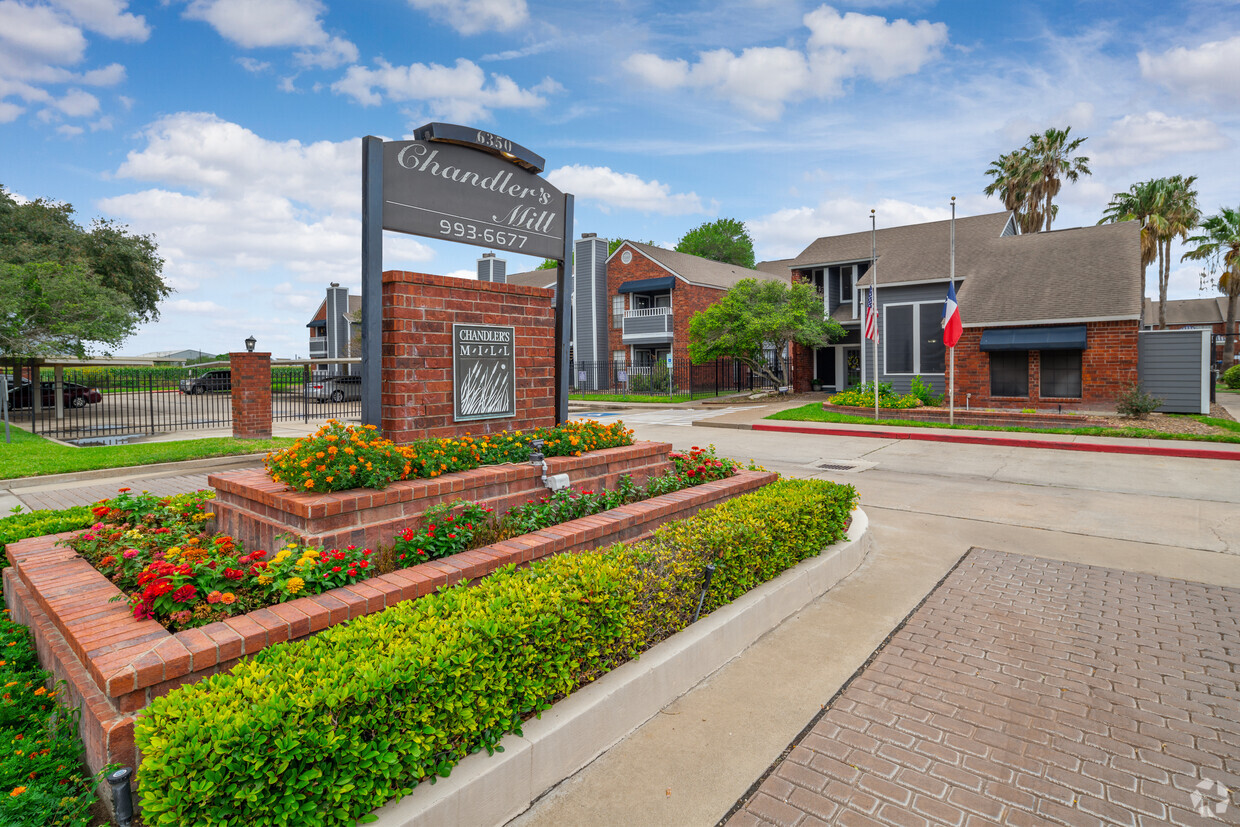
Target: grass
x=637, y=397
x=30, y=455
x=813, y=412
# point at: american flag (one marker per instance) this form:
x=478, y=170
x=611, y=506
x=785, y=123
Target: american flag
x=871, y=316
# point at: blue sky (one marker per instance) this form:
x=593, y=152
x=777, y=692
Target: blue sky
x=230, y=128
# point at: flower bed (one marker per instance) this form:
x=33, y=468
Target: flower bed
x=115, y=666
x=863, y=395
x=324, y=731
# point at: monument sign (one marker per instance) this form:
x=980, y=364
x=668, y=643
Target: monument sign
x=484, y=372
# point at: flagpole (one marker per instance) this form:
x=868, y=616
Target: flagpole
x=951, y=393
x=873, y=290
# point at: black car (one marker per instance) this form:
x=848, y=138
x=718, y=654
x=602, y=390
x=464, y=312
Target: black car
x=214, y=380
x=73, y=394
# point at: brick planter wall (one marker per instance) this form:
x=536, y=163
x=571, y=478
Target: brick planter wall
x=250, y=506
x=974, y=417
x=418, y=313
x=251, y=395
x=115, y=665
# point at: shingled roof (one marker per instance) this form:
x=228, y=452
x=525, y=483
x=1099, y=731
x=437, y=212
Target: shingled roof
x=698, y=270
x=533, y=278
x=1076, y=274
x=1189, y=311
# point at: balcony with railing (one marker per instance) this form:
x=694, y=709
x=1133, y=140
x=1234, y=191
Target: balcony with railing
x=318, y=347
x=647, y=326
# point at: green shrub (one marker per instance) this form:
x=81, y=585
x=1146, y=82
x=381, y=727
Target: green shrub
x=862, y=396
x=39, y=523
x=924, y=392
x=1231, y=377
x=325, y=730
x=1135, y=402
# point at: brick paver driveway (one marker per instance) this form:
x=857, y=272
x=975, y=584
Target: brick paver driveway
x=1030, y=691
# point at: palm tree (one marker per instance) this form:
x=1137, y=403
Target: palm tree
x=1051, y=156
x=1219, y=248
x=1166, y=208
x=1012, y=173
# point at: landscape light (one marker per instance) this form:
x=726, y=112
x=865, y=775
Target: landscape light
x=250, y=341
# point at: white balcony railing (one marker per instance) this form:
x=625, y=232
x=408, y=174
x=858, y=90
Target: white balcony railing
x=645, y=312
x=318, y=346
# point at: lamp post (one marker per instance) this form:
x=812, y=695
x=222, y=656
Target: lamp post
x=250, y=341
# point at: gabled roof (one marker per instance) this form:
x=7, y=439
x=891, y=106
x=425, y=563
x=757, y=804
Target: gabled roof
x=698, y=270
x=1189, y=311
x=533, y=278
x=915, y=252
x=779, y=267
x=355, y=304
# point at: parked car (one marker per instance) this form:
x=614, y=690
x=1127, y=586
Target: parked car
x=335, y=388
x=212, y=380
x=73, y=394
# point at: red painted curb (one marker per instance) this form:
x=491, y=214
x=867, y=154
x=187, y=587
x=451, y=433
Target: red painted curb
x=1011, y=442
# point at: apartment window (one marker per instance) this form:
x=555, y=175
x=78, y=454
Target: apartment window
x=1061, y=373
x=913, y=338
x=1009, y=373
x=618, y=358
x=617, y=312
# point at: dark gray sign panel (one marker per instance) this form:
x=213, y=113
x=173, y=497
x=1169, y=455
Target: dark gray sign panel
x=442, y=190
x=484, y=372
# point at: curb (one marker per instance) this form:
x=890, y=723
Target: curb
x=220, y=463
x=1009, y=442
x=494, y=789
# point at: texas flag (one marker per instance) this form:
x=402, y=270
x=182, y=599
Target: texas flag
x=951, y=318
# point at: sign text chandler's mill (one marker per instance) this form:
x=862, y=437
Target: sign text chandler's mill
x=442, y=190
x=484, y=372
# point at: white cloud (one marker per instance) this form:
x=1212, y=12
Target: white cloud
x=623, y=190
x=762, y=80
x=1139, y=139
x=1210, y=71
x=253, y=65
x=785, y=233
x=474, y=16
x=253, y=24
x=461, y=93
x=108, y=18
x=70, y=131
x=189, y=306
x=38, y=45
x=229, y=204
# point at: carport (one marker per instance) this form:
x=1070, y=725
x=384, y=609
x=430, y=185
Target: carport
x=17, y=367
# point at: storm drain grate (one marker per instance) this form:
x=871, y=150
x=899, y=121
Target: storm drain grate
x=839, y=466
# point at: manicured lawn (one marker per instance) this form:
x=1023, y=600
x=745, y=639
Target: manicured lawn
x=31, y=456
x=813, y=412
x=637, y=397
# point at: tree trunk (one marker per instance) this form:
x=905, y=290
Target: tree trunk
x=1229, y=329
x=1162, y=287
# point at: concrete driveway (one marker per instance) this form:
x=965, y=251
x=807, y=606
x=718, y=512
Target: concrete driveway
x=1171, y=519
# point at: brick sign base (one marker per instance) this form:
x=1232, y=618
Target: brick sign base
x=115, y=666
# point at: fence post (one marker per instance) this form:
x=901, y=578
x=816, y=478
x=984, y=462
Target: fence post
x=251, y=395
x=305, y=392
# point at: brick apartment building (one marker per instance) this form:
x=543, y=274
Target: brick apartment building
x=1050, y=319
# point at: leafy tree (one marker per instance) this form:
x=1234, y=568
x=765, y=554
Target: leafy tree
x=725, y=239
x=1029, y=178
x=1219, y=248
x=1166, y=208
x=44, y=231
x=52, y=308
x=756, y=315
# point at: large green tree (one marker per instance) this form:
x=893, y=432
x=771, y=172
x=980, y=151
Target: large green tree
x=49, y=308
x=1167, y=209
x=724, y=239
x=1219, y=248
x=110, y=256
x=758, y=315
x=1028, y=179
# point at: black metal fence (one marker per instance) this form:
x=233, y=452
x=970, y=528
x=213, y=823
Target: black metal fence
x=680, y=381
x=299, y=392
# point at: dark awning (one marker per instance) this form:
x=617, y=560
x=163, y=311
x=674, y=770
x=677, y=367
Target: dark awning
x=1034, y=338
x=648, y=285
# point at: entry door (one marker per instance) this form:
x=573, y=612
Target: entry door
x=824, y=366
x=852, y=366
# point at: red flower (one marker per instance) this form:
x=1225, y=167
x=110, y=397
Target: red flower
x=364, y=564
x=185, y=594
x=335, y=568
x=234, y=574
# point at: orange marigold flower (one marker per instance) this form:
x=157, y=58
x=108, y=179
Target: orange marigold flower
x=228, y=597
x=17, y=791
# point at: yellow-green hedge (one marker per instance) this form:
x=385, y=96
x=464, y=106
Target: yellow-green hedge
x=325, y=730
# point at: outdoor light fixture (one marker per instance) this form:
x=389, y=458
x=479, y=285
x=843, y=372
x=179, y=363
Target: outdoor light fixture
x=536, y=452
x=250, y=342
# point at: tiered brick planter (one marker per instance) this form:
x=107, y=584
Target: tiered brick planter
x=115, y=665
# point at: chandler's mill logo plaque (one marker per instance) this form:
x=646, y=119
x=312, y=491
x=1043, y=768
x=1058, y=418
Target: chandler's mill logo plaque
x=484, y=372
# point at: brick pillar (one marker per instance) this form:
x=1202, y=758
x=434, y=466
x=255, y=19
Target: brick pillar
x=251, y=395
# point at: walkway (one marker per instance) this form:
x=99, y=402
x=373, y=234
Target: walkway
x=1028, y=691
x=66, y=495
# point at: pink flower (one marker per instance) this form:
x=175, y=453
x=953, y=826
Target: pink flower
x=130, y=553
